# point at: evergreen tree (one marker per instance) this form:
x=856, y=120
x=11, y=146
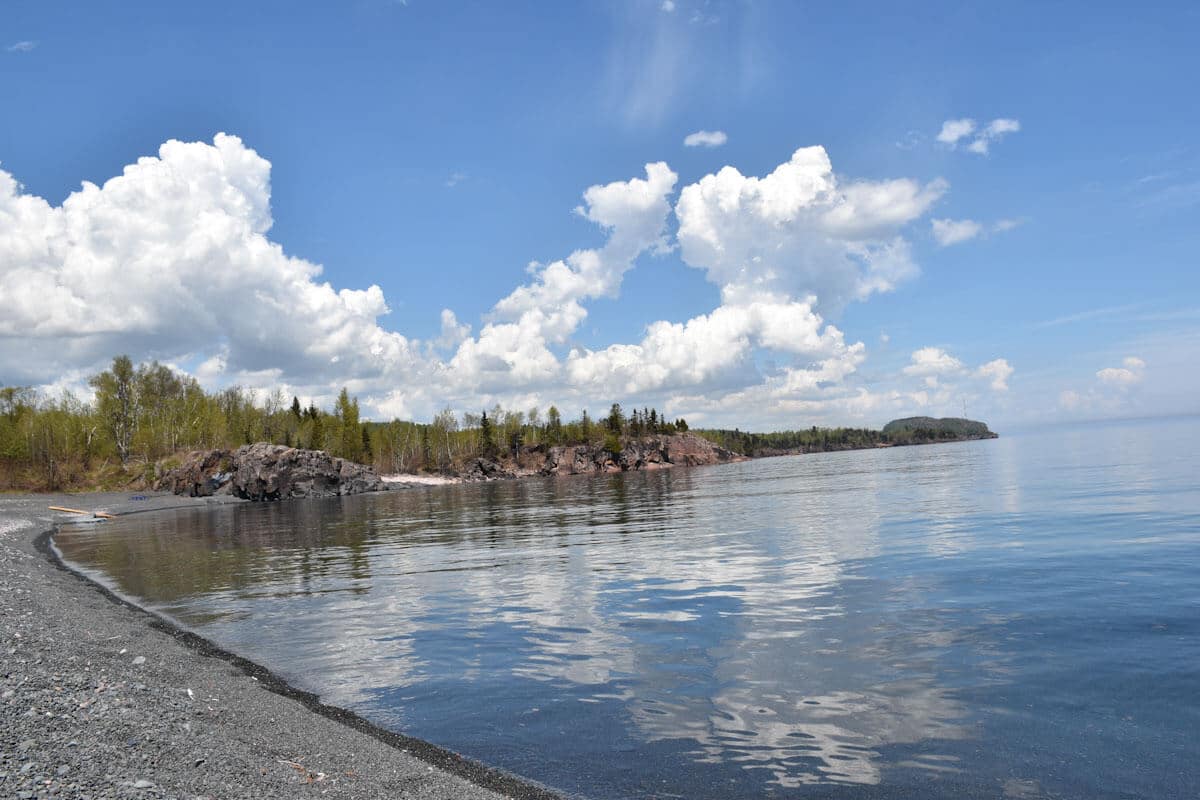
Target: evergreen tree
x=487, y=437
x=616, y=420
x=426, y=448
x=316, y=437
x=368, y=454
x=350, y=441
x=296, y=407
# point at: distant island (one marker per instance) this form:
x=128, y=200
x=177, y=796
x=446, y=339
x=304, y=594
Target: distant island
x=149, y=425
x=917, y=430
x=898, y=432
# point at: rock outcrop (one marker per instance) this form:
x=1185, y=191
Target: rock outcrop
x=266, y=472
x=485, y=469
x=653, y=452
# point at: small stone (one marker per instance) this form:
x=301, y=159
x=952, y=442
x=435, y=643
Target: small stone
x=143, y=784
x=139, y=660
x=63, y=769
x=25, y=745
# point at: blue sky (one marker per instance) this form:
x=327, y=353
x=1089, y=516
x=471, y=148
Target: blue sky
x=435, y=149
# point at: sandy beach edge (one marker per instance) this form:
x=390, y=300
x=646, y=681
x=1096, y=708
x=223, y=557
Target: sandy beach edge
x=101, y=697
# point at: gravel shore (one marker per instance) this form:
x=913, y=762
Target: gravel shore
x=99, y=699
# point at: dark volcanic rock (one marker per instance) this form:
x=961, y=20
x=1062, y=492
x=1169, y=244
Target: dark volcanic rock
x=267, y=472
x=652, y=452
x=485, y=469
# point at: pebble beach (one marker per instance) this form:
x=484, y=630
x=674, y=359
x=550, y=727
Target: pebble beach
x=100, y=699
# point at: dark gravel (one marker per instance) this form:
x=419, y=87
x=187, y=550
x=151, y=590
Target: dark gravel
x=102, y=700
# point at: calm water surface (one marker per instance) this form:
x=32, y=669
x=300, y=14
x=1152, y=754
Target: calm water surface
x=1018, y=617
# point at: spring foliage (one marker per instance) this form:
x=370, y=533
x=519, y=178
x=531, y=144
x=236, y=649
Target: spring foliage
x=143, y=414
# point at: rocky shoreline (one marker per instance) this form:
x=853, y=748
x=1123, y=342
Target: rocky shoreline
x=265, y=471
x=101, y=699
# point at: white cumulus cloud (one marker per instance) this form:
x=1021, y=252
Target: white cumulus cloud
x=997, y=372
x=801, y=231
x=172, y=259
x=705, y=139
x=932, y=361
x=1131, y=372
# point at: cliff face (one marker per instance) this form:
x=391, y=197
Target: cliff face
x=650, y=452
x=266, y=472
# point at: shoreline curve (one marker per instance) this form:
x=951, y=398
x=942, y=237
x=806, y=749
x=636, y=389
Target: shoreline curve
x=490, y=779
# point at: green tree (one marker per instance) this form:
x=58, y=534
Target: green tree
x=316, y=436
x=426, y=448
x=553, y=425
x=118, y=404
x=616, y=420
x=368, y=452
x=487, y=437
x=349, y=438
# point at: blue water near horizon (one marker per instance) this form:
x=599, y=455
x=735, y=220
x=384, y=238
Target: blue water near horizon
x=1008, y=618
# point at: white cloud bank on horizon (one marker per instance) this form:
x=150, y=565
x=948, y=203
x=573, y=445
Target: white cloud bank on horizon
x=171, y=260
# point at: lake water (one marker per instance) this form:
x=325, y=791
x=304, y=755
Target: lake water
x=1018, y=617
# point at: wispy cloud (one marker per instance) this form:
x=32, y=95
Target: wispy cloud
x=954, y=130
x=955, y=231
x=455, y=179
x=910, y=140
x=976, y=139
x=705, y=139
x=1082, y=316
x=21, y=47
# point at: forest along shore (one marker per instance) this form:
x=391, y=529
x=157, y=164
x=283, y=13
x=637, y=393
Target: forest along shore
x=98, y=699
x=143, y=418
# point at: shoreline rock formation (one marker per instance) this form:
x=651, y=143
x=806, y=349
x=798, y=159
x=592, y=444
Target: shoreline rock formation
x=265, y=471
x=647, y=453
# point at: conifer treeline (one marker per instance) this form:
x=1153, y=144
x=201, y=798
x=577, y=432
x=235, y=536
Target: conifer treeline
x=820, y=440
x=812, y=440
x=149, y=412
